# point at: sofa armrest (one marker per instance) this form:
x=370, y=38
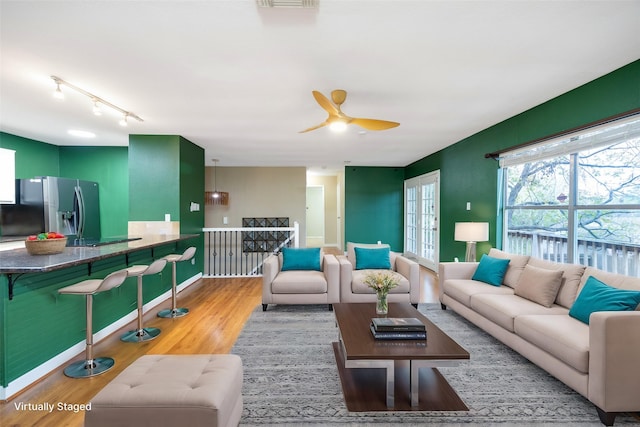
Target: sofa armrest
x=331, y=270
x=614, y=354
x=411, y=270
x=454, y=270
x=346, y=271
x=270, y=269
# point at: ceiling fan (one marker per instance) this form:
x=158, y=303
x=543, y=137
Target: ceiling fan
x=337, y=120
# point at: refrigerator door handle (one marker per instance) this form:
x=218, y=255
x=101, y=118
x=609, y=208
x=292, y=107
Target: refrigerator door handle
x=81, y=212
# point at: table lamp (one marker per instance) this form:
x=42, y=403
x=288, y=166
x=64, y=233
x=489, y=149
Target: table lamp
x=471, y=232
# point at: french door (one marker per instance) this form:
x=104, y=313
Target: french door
x=422, y=207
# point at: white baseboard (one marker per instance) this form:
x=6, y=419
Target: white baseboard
x=62, y=358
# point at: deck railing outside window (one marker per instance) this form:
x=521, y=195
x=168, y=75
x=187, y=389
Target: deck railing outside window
x=608, y=256
x=233, y=252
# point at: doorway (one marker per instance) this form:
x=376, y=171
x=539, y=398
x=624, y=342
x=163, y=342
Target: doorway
x=422, y=227
x=315, y=216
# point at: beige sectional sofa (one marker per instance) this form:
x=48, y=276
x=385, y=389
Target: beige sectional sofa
x=599, y=360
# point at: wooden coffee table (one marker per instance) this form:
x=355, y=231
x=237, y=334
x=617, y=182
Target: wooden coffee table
x=404, y=385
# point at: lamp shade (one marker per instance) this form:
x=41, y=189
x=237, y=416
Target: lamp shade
x=471, y=231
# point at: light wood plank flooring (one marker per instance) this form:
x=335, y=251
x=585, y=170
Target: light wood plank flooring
x=218, y=308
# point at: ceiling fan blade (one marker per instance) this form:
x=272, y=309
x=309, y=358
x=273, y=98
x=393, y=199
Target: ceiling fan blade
x=373, y=124
x=314, y=127
x=326, y=104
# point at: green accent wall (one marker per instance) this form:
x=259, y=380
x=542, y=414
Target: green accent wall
x=108, y=166
x=154, y=177
x=374, y=205
x=466, y=176
x=33, y=158
x=166, y=174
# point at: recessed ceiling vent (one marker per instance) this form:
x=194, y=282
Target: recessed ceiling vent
x=288, y=3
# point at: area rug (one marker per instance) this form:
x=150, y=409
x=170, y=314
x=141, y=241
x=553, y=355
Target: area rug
x=290, y=377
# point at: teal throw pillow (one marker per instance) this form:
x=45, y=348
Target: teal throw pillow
x=377, y=258
x=491, y=270
x=301, y=259
x=598, y=296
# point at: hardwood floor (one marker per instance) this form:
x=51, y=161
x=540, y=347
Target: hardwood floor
x=218, y=308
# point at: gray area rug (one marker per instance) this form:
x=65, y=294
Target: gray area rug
x=290, y=377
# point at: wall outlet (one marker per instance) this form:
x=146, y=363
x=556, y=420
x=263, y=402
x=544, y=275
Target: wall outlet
x=193, y=261
x=225, y=220
x=468, y=206
x=167, y=217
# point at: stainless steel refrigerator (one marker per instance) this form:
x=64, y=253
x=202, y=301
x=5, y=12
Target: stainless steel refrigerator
x=63, y=205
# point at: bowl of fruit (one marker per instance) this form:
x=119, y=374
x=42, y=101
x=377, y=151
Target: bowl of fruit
x=46, y=243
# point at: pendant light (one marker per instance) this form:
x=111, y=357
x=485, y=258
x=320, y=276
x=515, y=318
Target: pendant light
x=216, y=197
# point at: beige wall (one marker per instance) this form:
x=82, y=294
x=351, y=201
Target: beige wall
x=330, y=185
x=258, y=192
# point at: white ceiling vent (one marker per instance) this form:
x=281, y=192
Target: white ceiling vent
x=288, y=3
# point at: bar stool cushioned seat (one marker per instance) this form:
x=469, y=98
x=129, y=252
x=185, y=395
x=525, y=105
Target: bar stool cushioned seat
x=171, y=390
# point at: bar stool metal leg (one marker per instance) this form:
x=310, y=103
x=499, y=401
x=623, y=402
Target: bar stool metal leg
x=90, y=366
x=141, y=333
x=174, y=311
x=174, y=259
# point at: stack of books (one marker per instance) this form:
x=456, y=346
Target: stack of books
x=398, y=328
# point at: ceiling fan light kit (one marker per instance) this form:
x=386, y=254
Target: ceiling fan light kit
x=338, y=121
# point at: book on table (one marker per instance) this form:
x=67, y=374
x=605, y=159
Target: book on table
x=397, y=324
x=398, y=335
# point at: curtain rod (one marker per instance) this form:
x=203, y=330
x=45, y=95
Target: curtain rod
x=494, y=155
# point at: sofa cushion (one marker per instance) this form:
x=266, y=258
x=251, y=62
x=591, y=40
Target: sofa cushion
x=358, y=285
x=301, y=259
x=516, y=265
x=598, y=296
x=619, y=281
x=372, y=258
x=504, y=309
x=299, y=282
x=539, y=285
x=572, y=273
x=561, y=336
x=462, y=290
x=491, y=270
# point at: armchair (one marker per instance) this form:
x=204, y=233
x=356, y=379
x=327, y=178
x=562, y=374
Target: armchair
x=300, y=286
x=353, y=288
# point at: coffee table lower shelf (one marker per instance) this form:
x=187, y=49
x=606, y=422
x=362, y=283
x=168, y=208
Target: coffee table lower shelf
x=364, y=389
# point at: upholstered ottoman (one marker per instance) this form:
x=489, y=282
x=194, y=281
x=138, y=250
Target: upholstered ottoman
x=171, y=390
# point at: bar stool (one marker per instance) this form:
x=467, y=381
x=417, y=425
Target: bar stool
x=141, y=333
x=90, y=366
x=174, y=259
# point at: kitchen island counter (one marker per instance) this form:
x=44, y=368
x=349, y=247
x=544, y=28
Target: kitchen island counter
x=41, y=329
x=18, y=261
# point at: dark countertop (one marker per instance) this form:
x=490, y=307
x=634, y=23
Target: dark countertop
x=19, y=261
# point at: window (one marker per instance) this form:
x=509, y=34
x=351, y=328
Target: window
x=577, y=198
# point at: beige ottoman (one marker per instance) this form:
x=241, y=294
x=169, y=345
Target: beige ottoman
x=171, y=390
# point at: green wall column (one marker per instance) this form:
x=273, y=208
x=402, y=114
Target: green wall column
x=374, y=206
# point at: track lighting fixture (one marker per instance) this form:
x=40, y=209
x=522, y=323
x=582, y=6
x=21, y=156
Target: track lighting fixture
x=96, y=108
x=96, y=100
x=57, y=94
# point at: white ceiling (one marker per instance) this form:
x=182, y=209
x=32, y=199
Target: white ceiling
x=236, y=79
